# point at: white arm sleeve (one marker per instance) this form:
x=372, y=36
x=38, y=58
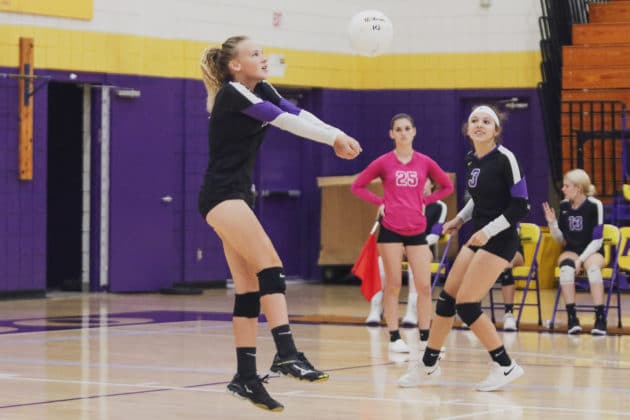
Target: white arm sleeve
x=305, y=128
x=496, y=226
x=312, y=118
x=555, y=231
x=466, y=213
x=432, y=239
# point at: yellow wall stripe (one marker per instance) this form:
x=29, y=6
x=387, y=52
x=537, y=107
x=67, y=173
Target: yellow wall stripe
x=59, y=49
x=77, y=9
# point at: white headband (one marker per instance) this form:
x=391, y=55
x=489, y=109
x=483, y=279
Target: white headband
x=487, y=110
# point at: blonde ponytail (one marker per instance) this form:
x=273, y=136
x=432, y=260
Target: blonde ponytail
x=215, y=66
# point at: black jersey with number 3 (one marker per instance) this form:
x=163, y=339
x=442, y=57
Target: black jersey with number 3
x=582, y=225
x=497, y=188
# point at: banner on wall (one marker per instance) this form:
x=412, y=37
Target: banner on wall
x=76, y=9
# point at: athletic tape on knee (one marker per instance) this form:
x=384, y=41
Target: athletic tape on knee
x=247, y=305
x=445, y=305
x=507, y=278
x=271, y=280
x=469, y=312
x=594, y=275
x=567, y=271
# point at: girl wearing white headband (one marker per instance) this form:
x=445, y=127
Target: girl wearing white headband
x=498, y=202
x=484, y=109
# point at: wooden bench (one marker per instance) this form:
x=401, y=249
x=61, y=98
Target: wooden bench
x=576, y=56
x=622, y=95
x=601, y=33
x=618, y=11
x=596, y=77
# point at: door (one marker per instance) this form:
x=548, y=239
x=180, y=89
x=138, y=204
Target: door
x=64, y=186
x=145, y=132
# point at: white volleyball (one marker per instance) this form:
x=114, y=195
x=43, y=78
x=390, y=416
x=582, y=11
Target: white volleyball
x=371, y=33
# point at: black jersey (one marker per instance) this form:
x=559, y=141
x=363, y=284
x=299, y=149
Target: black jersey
x=497, y=188
x=237, y=127
x=436, y=215
x=581, y=226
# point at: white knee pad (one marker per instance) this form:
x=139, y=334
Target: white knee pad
x=567, y=274
x=594, y=275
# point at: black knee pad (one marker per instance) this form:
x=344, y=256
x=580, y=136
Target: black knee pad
x=445, y=305
x=567, y=261
x=469, y=312
x=247, y=305
x=271, y=280
x=507, y=278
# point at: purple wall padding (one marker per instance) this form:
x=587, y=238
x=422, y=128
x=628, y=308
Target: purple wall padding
x=22, y=203
x=160, y=146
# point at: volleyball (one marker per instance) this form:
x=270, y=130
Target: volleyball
x=371, y=33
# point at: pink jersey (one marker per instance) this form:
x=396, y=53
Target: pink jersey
x=403, y=187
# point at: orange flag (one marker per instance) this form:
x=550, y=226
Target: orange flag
x=366, y=267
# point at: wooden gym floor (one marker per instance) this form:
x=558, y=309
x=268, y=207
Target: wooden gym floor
x=107, y=356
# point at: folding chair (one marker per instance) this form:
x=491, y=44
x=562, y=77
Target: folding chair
x=623, y=264
x=439, y=269
x=611, y=238
x=621, y=206
x=531, y=239
x=440, y=265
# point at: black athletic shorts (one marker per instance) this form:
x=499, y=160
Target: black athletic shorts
x=503, y=245
x=207, y=201
x=580, y=250
x=386, y=236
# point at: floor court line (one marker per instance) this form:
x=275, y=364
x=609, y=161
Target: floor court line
x=476, y=414
x=306, y=394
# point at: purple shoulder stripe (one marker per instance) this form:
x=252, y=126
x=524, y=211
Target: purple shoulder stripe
x=289, y=107
x=263, y=111
x=598, y=232
x=520, y=189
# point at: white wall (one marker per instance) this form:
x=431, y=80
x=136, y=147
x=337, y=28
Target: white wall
x=319, y=25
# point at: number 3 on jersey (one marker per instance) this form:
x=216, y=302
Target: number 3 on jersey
x=474, y=175
x=406, y=179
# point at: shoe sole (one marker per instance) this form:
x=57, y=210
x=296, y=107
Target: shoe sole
x=261, y=406
x=598, y=332
x=575, y=330
x=420, y=383
x=322, y=379
x=408, y=385
x=515, y=376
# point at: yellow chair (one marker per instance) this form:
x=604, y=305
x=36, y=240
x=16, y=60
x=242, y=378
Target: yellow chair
x=611, y=237
x=531, y=238
x=621, y=206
